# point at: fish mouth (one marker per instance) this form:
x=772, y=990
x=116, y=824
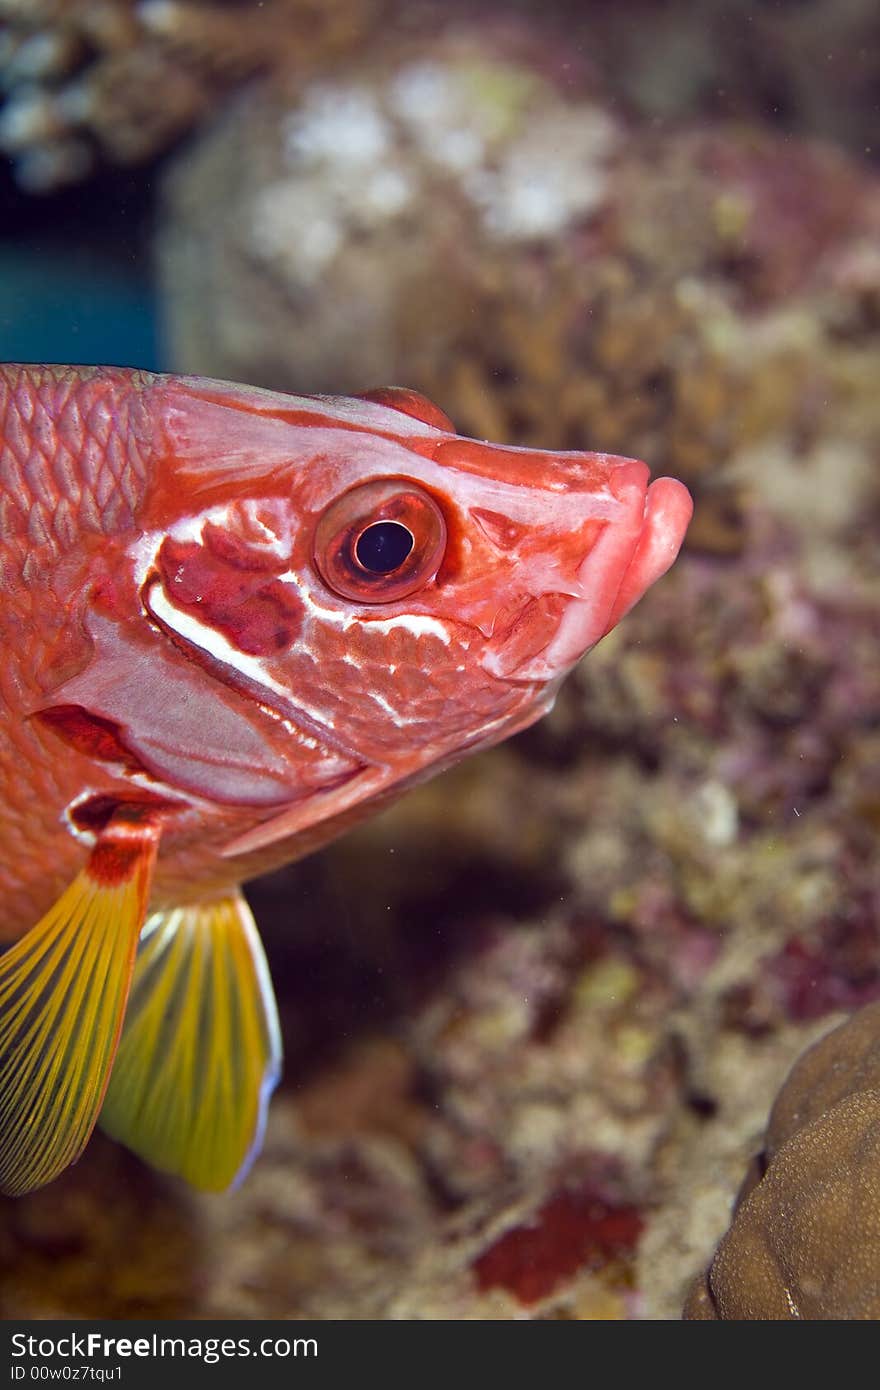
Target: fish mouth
x=630, y=554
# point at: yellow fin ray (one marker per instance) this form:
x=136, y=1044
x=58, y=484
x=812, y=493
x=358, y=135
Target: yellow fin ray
x=63, y=991
x=200, y=1053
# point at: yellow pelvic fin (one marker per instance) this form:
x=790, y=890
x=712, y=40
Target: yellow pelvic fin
x=63, y=989
x=200, y=1053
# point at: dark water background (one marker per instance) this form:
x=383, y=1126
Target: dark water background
x=75, y=273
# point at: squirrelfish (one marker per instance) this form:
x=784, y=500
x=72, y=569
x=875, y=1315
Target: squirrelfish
x=235, y=622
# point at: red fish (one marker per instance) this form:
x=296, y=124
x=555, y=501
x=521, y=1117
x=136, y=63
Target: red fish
x=235, y=622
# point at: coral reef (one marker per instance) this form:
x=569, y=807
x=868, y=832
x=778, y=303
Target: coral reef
x=464, y=215
x=805, y=1239
x=810, y=68
x=118, y=80
x=535, y=1015
x=96, y=81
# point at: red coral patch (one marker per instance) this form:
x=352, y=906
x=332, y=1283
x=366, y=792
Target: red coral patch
x=576, y=1229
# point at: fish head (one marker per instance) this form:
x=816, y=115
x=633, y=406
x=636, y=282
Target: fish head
x=368, y=594
x=413, y=585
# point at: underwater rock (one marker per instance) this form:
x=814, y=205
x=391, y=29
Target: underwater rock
x=805, y=1237
x=89, y=82
x=467, y=213
x=843, y=1062
x=371, y=203
x=810, y=68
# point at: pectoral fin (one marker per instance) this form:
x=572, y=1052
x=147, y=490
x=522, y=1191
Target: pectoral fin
x=200, y=1053
x=63, y=990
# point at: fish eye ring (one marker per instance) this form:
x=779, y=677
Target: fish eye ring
x=380, y=541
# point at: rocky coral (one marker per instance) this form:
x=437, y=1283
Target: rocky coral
x=469, y=217
x=119, y=80
x=805, y=1239
x=810, y=68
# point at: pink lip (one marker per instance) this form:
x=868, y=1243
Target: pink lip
x=632, y=552
x=668, y=511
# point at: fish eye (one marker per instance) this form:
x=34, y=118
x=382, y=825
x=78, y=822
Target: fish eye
x=383, y=547
x=380, y=541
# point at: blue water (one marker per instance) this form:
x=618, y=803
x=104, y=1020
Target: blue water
x=73, y=307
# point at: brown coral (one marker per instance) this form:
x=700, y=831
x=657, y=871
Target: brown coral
x=810, y=68
x=805, y=1239
x=119, y=80
x=457, y=214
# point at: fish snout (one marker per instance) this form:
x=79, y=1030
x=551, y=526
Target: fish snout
x=633, y=550
x=668, y=509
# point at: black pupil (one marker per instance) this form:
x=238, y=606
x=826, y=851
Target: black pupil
x=383, y=547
